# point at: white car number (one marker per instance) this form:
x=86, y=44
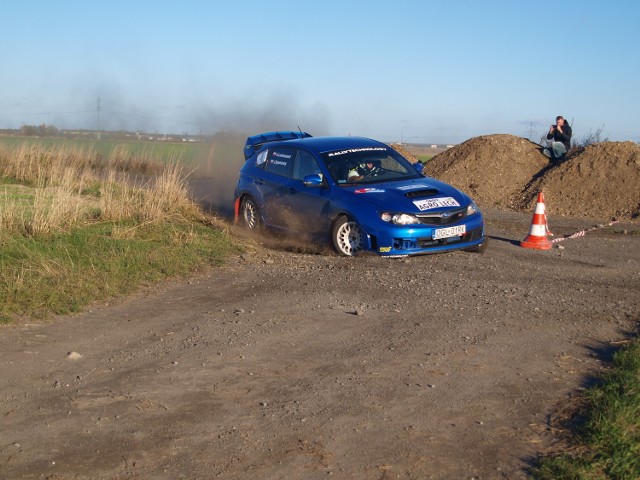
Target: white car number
x=449, y=232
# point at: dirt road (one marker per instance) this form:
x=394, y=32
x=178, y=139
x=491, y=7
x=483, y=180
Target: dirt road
x=302, y=366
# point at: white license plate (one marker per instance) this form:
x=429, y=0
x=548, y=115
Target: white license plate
x=449, y=232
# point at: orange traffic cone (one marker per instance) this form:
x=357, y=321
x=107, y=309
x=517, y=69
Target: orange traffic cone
x=537, y=237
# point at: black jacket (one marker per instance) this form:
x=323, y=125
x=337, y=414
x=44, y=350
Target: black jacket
x=564, y=137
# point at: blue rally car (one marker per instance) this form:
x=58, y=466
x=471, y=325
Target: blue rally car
x=361, y=192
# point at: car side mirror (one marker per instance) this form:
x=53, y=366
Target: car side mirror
x=419, y=166
x=314, y=180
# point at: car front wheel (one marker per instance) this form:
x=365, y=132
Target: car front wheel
x=249, y=213
x=347, y=237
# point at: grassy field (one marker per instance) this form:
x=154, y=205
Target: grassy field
x=76, y=226
x=186, y=152
x=67, y=271
x=606, y=445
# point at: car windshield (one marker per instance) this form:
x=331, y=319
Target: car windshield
x=368, y=165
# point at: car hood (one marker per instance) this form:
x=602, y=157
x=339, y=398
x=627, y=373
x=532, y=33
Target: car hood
x=411, y=196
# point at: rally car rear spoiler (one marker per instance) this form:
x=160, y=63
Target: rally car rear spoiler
x=256, y=141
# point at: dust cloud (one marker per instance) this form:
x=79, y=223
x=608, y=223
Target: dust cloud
x=279, y=110
x=216, y=175
x=214, y=178
x=225, y=121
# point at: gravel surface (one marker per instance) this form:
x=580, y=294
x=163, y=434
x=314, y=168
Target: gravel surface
x=308, y=366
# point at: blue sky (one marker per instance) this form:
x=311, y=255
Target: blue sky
x=416, y=71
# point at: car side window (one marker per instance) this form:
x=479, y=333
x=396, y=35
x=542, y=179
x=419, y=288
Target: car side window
x=304, y=165
x=280, y=161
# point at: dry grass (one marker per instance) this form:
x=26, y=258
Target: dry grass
x=169, y=195
x=121, y=159
x=9, y=212
x=29, y=163
x=57, y=203
x=158, y=198
x=73, y=185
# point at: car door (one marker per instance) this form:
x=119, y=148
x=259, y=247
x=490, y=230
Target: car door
x=273, y=185
x=307, y=206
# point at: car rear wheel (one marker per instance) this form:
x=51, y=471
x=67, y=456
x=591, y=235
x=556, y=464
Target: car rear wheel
x=347, y=237
x=249, y=213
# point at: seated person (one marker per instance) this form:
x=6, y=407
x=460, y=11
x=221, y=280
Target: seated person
x=364, y=170
x=560, y=134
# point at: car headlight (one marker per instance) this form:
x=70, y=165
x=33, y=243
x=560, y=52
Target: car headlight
x=399, y=218
x=472, y=208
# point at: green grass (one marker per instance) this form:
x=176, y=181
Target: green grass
x=610, y=437
x=15, y=196
x=187, y=152
x=16, y=191
x=4, y=180
x=60, y=274
x=425, y=158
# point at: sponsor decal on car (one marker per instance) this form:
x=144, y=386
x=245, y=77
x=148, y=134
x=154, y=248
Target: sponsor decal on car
x=356, y=150
x=384, y=249
x=431, y=203
x=413, y=187
x=369, y=190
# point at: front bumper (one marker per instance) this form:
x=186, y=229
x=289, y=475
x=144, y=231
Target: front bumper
x=395, y=241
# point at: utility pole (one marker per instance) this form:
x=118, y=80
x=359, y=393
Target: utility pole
x=98, y=118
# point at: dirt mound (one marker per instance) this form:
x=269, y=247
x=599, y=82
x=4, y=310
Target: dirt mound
x=599, y=181
x=492, y=169
x=404, y=152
